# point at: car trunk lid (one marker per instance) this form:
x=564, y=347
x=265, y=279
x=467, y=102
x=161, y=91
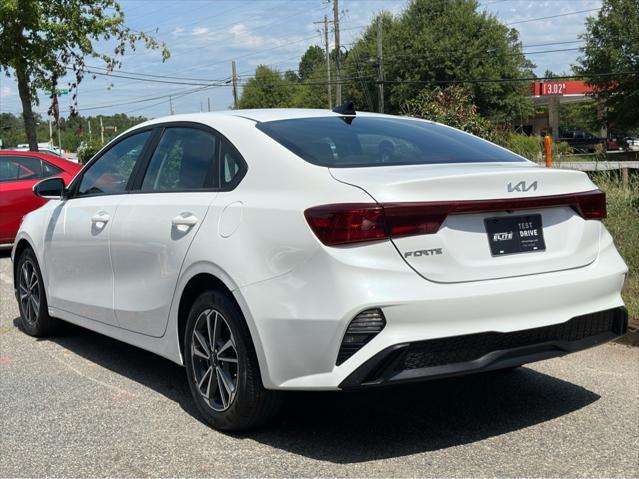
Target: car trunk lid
x=475, y=203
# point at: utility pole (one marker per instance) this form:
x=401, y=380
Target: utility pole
x=328, y=64
x=325, y=22
x=89, y=122
x=59, y=140
x=171, y=112
x=101, y=131
x=338, y=83
x=209, y=99
x=50, y=132
x=234, y=80
x=380, y=67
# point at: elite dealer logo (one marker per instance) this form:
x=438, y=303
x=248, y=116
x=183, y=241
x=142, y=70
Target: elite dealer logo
x=508, y=235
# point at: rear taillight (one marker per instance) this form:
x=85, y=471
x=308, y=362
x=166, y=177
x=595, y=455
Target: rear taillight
x=347, y=223
x=360, y=222
x=591, y=205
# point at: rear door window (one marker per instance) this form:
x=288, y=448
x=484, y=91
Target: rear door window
x=49, y=170
x=379, y=141
x=232, y=166
x=183, y=160
x=23, y=168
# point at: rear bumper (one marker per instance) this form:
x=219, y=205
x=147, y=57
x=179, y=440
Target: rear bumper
x=299, y=319
x=472, y=353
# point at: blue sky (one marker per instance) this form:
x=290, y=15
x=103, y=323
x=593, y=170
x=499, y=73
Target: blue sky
x=205, y=35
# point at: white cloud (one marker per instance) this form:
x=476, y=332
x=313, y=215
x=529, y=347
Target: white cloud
x=199, y=31
x=6, y=92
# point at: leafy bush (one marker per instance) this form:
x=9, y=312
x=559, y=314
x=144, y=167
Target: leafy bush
x=531, y=147
x=452, y=106
x=561, y=148
x=623, y=223
x=86, y=151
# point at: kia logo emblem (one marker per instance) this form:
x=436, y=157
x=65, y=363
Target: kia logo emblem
x=522, y=187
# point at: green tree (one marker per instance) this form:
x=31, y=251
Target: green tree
x=313, y=58
x=312, y=93
x=267, y=89
x=612, y=50
x=42, y=40
x=75, y=130
x=434, y=42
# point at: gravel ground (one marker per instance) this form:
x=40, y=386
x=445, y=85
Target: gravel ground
x=81, y=404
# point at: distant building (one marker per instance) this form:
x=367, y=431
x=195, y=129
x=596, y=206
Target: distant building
x=552, y=94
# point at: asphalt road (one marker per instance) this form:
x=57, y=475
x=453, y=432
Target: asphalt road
x=81, y=404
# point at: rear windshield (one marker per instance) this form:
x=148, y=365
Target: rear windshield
x=377, y=141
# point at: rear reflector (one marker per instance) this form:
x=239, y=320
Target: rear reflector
x=364, y=327
x=360, y=222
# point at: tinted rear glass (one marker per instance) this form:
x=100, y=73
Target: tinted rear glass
x=376, y=141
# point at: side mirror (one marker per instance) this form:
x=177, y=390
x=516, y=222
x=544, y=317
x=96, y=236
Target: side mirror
x=50, y=189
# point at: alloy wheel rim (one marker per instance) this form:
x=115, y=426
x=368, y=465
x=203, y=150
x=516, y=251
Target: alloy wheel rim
x=29, y=291
x=215, y=360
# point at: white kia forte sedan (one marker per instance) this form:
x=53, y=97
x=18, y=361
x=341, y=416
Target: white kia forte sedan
x=273, y=250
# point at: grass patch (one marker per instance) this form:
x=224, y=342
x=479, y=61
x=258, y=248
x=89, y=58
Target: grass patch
x=623, y=224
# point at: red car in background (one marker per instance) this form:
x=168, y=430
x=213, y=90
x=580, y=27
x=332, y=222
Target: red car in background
x=19, y=171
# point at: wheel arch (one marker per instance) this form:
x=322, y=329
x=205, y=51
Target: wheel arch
x=205, y=277
x=21, y=244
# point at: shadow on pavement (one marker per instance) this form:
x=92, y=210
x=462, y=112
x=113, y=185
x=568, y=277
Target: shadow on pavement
x=371, y=425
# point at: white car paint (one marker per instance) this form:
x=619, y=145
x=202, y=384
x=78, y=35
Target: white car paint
x=124, y=277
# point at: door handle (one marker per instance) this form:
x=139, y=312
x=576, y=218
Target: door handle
x=100, y=219
x=184, y=221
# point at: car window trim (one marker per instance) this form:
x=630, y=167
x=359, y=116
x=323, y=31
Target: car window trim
x=216, y=168
x=139, y=170
x=75, y=184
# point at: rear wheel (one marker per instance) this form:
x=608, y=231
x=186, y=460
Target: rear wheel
x=222, y=366
x=34, y=310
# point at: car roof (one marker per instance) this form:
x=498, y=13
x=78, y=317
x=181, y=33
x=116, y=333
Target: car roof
x=66, y=165
x=253, y=115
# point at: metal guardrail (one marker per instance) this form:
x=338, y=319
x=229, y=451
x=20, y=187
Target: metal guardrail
x=597, y=165
x=623, y=166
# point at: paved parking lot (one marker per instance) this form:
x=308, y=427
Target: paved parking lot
x=81, y=404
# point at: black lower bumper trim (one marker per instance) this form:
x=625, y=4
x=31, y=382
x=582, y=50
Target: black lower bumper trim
x=459, y=355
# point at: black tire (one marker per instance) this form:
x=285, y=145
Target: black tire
x=248, y=404
x=32, y=299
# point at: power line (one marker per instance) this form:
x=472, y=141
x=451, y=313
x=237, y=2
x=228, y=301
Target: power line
x=551, y=43
x=164, y=98
x=553, y=16
x=510, y=80
x=144, y=99
x=151, y=80
x=118, y=71
x=207, y=81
